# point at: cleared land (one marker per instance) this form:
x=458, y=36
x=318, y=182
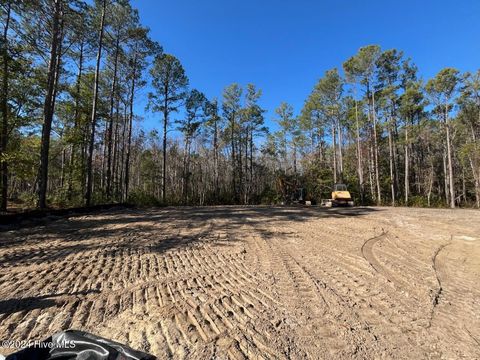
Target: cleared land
x=245, y=282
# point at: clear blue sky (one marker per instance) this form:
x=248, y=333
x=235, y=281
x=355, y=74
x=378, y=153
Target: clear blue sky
x=285, y=46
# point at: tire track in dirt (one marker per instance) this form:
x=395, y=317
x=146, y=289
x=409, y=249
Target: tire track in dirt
x=367, y=251
x=207, y=297
x=455, y=308
x=321, y=319
x=369, y=255
x=376, y=309
x=180, y=284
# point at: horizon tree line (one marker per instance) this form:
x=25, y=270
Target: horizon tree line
x=395, y=138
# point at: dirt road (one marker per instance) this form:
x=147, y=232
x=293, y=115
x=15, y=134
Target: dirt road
x=245, y=282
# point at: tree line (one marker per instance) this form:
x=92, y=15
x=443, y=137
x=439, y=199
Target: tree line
x=395, y=138
x=71, y=72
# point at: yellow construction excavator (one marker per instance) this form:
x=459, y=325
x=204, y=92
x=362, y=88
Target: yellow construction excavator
x=340, y=197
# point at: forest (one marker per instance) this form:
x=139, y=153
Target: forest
x=71, y=128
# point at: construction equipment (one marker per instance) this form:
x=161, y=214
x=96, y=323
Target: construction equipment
x=290, y=190
x=340, y=197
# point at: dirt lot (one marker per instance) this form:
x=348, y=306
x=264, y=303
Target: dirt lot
x=244, y=282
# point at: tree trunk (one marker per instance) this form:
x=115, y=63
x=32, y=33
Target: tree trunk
x=234, y=172
x=88, y=195
x=395, y=157
x=4, y=106
x=375, y=143
x=450, y=165
x=62, y=167
x=475, y=165
x=334, y=162
x=445, y=177
x=359, y=156
x=121, y=181
x=110, y=123
x=185, y=168
x=392, y=181
x=407, y=174
x=130, y=124
x=476, y=177
x=251, y=161
x=295, y=159
x=215, y=159
x=371, y=170
x=76, y=121
x=245, y=168
x=340, y=152
x=114, y=164
x=49, y=104
x=103, y=167
x=430, y=184
x=164, y=148
x=239, y=167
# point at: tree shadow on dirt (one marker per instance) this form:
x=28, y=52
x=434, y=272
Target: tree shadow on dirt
x=154, y=230
x=136, y=232
x=236, y=215
x=10, y=306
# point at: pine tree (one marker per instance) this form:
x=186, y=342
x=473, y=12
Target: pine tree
x=169, y=82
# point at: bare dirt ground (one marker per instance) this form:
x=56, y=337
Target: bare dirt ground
x=252, y=282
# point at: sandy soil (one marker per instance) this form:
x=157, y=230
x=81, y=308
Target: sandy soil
x=252, y=282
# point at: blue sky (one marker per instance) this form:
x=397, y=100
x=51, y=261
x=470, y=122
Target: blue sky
x=285, y=46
